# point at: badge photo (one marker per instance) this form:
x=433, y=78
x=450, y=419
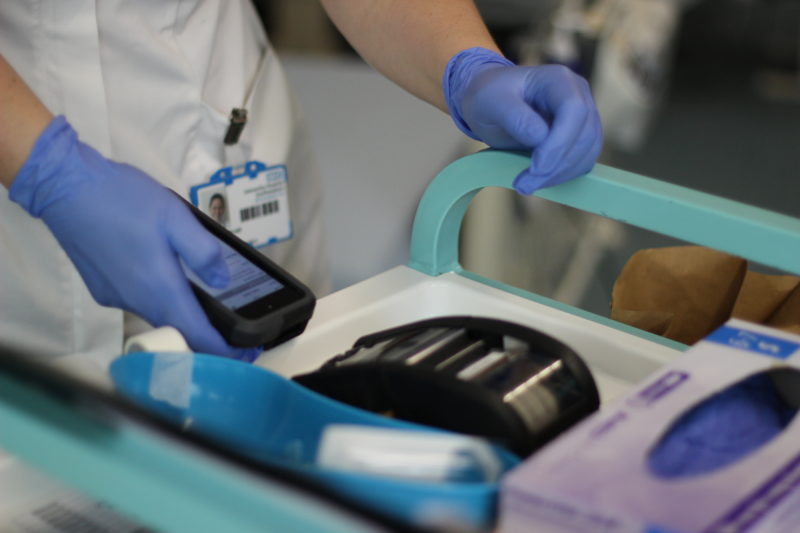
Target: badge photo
x=250, y=200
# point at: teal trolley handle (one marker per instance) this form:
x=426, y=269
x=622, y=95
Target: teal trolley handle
x=746, y=231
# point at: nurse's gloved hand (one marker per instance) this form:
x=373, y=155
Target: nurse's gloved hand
x=124, y=233
x=548, y=109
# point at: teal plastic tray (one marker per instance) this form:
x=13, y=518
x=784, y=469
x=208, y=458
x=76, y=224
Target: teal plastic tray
x=278, y=422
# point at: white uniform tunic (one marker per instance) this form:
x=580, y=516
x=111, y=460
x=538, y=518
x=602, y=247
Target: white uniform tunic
x=150, y=83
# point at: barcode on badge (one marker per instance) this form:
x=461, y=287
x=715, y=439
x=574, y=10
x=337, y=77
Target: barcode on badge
x=260, y=210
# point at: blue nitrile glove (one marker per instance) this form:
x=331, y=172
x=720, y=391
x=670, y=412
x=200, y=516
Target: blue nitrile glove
x=546, y=108
x=124, y=232
x=722, y=429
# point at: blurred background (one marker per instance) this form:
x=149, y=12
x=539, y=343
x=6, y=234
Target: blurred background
x=701, y=93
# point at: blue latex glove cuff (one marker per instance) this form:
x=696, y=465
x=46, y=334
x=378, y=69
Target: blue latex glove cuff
x=36, y=185
x=461, y=66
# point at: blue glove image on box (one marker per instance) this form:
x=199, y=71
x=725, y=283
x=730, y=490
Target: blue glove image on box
x=722, y=429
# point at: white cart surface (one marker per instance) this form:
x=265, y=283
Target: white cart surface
x=401, y=295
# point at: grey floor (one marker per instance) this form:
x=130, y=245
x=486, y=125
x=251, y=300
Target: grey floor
x=717, y=132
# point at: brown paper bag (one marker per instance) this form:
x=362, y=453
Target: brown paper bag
x=685, y=292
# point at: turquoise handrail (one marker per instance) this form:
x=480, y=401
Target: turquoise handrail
x=746, y=231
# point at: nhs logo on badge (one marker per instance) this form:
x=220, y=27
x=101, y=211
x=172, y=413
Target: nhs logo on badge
x=754, y=342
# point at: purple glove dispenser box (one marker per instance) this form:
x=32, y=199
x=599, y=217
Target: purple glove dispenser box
x=596, y=478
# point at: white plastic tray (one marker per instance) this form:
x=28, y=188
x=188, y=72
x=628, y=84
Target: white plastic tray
x=617, y=360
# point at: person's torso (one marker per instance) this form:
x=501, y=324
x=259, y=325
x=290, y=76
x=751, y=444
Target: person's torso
x=150, y=83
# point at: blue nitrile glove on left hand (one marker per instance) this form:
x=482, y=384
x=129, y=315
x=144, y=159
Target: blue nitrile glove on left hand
x=548, y=109
x=124, y=233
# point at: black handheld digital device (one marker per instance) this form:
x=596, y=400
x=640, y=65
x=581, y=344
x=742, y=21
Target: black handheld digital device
x=263, y=305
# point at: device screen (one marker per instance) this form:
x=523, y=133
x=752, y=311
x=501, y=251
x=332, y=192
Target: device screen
x=248, y=282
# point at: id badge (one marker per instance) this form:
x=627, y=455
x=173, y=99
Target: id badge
x=251, y=200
